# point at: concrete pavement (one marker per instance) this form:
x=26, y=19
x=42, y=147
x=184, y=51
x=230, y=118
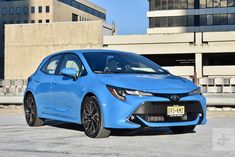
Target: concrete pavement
x=65, y=139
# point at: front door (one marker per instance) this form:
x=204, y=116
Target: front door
x=65, y=91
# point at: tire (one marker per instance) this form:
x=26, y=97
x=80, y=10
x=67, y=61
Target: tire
x=92, y=119
x=182, y=129
x=31, y=112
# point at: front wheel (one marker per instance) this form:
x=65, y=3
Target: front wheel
x=92, y=119
x=182, y=129
x=31, y=112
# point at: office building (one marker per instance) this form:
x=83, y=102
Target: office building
x=179, y=16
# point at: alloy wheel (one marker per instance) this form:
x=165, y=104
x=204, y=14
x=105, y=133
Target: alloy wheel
x=91, y=118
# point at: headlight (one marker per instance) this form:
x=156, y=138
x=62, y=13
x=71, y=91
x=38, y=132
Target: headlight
x=195, y=92
x=121, y=93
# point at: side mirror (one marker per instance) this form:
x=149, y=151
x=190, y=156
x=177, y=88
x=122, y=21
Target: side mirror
x=70, y=72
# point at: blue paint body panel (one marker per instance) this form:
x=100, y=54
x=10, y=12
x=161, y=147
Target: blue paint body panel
x=60, y=97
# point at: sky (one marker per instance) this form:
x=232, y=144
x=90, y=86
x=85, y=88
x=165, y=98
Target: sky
x=128, y=15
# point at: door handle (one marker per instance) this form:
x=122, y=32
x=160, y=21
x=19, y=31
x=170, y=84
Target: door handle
x=54, y=82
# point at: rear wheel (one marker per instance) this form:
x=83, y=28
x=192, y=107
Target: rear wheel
x=31, y=112
x=92, y=119
x=182, y=129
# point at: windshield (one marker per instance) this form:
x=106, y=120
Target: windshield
x=120, y=62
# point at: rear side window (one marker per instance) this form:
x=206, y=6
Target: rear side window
x=51, y=65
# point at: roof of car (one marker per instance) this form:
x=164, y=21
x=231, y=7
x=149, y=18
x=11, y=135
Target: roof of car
x=89, y=51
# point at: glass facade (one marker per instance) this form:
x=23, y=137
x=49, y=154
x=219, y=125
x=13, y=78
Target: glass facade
x=170, y=4
x=196, y=20
x=172, y=21
x=189, y=4
x=84, y=8
x=191, y=20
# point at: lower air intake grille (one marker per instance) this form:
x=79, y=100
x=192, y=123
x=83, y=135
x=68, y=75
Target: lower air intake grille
x=157, y=111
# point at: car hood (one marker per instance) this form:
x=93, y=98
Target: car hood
x=148, y=82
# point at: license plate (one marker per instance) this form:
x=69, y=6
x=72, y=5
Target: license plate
x=175, y=111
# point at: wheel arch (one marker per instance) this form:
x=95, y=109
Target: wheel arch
x=28, y=92
x=89, y=94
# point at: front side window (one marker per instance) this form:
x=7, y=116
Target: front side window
x=118, y=63
x=72, y=61
x=51, y=65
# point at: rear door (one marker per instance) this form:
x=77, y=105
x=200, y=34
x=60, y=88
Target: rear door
x=45, y=79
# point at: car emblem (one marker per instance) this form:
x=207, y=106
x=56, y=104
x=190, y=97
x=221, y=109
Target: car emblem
x=175, y=98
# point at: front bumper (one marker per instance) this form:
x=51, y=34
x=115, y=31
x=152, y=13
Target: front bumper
x=119, y=114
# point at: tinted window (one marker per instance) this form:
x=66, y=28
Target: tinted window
x=72, y=61
x=111, y=62
x=51, y=65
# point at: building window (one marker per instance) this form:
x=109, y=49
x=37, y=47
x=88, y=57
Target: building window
x=216, y=19
x=191, y=20
x=11, y=11
x=216, y=3
x=231, y=19
x=191, y=4
x=32, y=21
x=40, y=9
x=25, y=10
x=171, y=4
x=25, y=21
x=202, y=3
x=47, y=21
x=39, y=21
x=203, y=20
x=177, y=4
x=18, y=10
x=209, y=19
x=209, y=3
x=47, y=9
x=231, y=3
x=223, y=3
x=184, y=4
x=224, y=19
x=4, y=11
x=74, y=17
x=32, y=9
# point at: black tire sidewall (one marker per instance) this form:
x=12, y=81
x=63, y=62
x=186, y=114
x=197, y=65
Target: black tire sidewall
x=35, y=110
x=95, y=100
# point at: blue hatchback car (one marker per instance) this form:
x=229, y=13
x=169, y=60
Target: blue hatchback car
x=105, y=89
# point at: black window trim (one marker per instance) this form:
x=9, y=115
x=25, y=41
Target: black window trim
x=60, y=63
x=48, y=61
x=71, y=53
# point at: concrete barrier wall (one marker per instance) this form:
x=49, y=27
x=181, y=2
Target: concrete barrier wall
x=27, y=44
x=219, y=70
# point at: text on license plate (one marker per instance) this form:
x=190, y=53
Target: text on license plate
x=175, y=111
